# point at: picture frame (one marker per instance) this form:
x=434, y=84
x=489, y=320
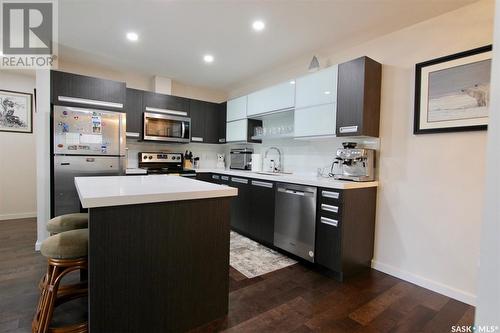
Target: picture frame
x=452, y=92
x=16, y=111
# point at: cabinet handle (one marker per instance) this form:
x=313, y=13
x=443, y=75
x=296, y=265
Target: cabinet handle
x=262, y=184
x=215, y=177
x=222, y=140
x=178, y=113
x=196, y=139
x=224, y=177
x=348, y=129
x=331, y=195
x=89, y=102
x=132, y=134
x=296, y=192
x=239, y=180
x=326, y=220
x=330, y=208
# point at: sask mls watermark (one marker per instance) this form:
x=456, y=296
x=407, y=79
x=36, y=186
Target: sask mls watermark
x=29, y=34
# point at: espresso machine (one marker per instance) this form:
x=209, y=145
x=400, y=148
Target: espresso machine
x=356, y=164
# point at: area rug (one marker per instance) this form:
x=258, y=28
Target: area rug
x=253, y=259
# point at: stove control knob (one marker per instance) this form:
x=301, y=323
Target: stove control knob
x=150, y=157
x=145, y=157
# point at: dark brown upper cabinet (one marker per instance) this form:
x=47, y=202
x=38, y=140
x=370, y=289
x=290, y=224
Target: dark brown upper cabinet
x=358, y=98
x=85, y=91
x=154, y=102
x=134, y=111
x=221, y=122
x=205, y=121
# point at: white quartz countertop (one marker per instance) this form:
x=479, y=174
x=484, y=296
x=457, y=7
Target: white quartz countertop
x=302, y=179
x=136, y=171
x=125, y=190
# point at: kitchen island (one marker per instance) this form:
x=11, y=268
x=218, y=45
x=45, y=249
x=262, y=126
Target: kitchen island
x=158, y=252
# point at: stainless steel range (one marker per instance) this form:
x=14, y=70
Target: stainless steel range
x=164, y=163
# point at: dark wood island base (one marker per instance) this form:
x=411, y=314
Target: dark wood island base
x=158, y=267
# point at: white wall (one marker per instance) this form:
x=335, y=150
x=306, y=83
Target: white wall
x=431, y=194
x=488, y=303
x=17, y=157
x=42, y=154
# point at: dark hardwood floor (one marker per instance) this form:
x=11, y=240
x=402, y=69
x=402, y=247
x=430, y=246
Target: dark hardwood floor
x=293, y=299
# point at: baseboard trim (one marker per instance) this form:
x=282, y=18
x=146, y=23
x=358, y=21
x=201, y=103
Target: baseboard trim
x=454, y=293
x=16, y=216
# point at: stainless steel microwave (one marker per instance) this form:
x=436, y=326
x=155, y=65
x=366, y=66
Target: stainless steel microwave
x=166, y=127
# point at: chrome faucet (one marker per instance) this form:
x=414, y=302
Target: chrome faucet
x=276, y=168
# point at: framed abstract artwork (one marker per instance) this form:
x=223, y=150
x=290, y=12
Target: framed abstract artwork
x=452, y=92
x=16, y=111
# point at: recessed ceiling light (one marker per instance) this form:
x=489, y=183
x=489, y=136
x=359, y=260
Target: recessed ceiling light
x=258, y=25
x=132, y=36
x=292, y=82
x=208, y=58
x=328, y=92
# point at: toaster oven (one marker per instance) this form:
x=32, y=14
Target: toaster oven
x=241, y=158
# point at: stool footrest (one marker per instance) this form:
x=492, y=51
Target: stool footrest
x=52, y=294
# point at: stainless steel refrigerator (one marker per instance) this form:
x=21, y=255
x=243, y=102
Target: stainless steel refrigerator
x=87, y=142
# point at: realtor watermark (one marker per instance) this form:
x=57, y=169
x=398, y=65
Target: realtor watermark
x=474, y=328
x=29, y=34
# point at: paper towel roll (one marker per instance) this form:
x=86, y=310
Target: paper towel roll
x=256, y=162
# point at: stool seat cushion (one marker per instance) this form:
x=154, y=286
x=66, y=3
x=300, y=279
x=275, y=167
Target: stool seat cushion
x=66, y=245
x=68, y=222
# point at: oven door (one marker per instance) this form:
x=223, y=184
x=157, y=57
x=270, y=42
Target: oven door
x=164, y=127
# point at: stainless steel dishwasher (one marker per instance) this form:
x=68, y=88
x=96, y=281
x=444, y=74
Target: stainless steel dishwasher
x=295, y=219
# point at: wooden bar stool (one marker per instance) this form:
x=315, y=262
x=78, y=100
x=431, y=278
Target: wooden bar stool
x=66, y=252
x=68, y=222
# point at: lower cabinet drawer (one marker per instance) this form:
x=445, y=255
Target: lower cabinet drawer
x=330, y=210
x=328, y=242
x=329, y=195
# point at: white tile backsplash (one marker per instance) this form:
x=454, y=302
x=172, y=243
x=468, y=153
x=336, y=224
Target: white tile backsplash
x=299, y=156
x=206, y=152
x=306, y=156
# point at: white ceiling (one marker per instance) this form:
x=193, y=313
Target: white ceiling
x=174, y=35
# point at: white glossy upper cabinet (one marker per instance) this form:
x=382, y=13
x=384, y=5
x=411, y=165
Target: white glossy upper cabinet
x=317, y=88
x=319, y=120
x=276, y=98
x=236, y=130
x=237, y=109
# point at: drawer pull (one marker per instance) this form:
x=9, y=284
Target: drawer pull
x=196, y=139
x=330, y=208
x=132, y=134
x=224, y=177
x=348, y=129
x=326, y=220
x=166, y=111
x=262, y=184
x=332, y=195
x=239, y=180
x=215, y=177
x=89, y=102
